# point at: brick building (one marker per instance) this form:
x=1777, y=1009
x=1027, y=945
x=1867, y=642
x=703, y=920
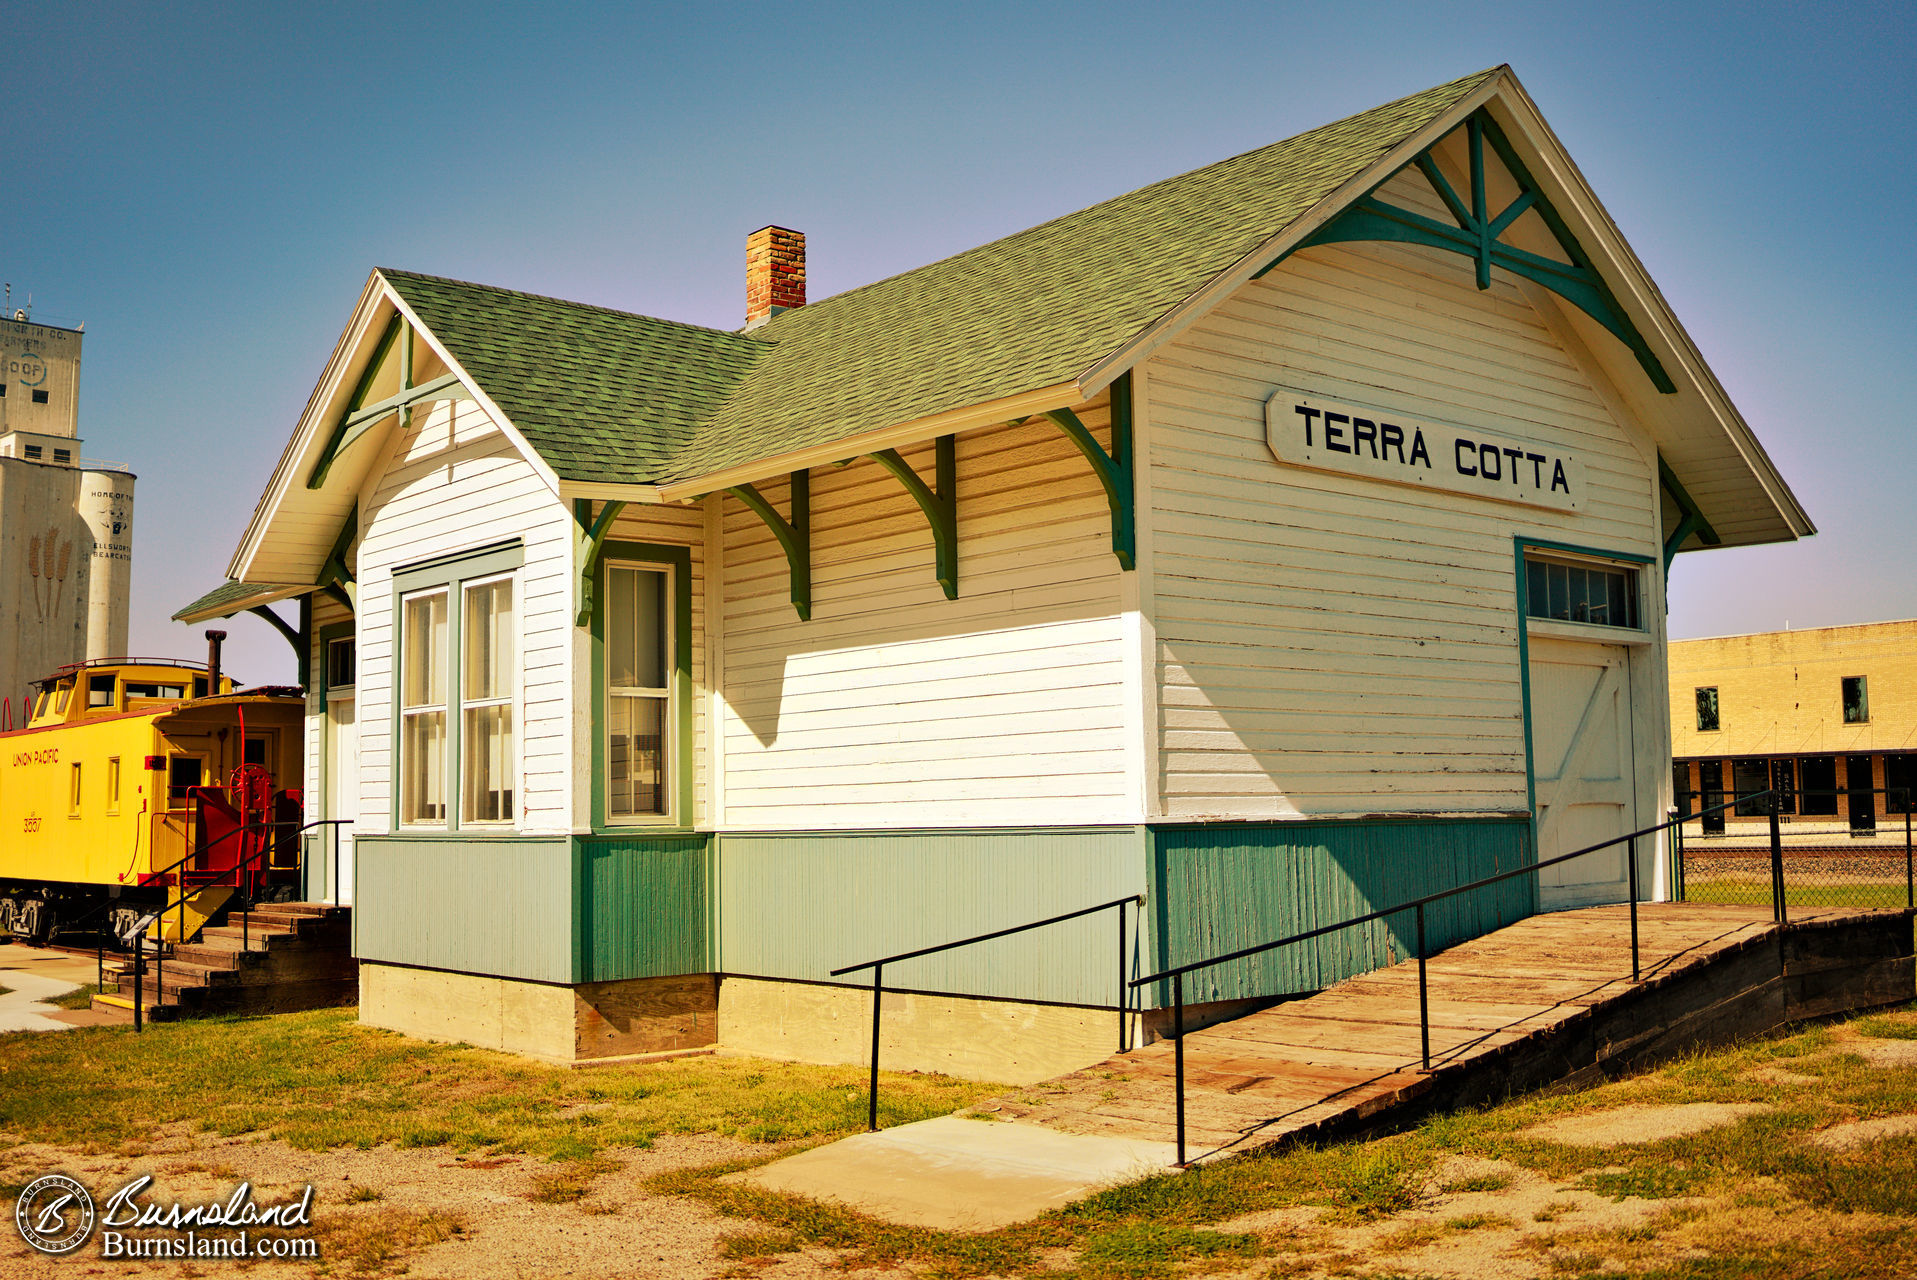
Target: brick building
x=1834, y=708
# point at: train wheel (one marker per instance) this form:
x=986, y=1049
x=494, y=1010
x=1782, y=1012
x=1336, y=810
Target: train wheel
x=6, y=915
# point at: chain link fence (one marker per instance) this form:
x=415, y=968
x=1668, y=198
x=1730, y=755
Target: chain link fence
x=1855, y=853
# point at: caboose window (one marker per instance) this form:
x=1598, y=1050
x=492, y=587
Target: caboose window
x=422, y=751
x=639, y=660
x=486, y=704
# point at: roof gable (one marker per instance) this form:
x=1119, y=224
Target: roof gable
x=600, y=394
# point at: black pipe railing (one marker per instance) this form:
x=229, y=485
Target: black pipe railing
x=1416, y=905
x=246, y=940
x=1781, y=801
x=878, y=978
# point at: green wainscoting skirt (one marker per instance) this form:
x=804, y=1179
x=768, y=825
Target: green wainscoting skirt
x=1216, y=887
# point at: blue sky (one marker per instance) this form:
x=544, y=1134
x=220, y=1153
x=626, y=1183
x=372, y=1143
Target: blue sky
x=207, y=187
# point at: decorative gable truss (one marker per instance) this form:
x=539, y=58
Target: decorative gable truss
x=1479, y=234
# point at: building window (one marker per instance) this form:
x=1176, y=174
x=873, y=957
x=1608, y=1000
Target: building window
x=1750, y=779
x=1900, y=784
x=340, y=659
x=458, y=690
x=34, y=451
x=1819, y=787
x=422, y=734
x=39, y=397
x=486, y=747
x=63, y=455
x=639, y=702
x=1856, y=700
x=1707, y=710
x=1603, y=595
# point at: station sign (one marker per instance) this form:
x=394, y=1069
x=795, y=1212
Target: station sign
x=1307, y=430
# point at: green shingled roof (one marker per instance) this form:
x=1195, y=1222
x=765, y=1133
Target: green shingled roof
x=609, y=396
x=228, y=599
x=602, y=395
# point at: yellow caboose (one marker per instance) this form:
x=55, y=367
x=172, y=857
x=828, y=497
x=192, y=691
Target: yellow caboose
x=137, y=783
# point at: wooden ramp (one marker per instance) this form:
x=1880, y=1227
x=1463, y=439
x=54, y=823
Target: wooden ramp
x=1545, y=1001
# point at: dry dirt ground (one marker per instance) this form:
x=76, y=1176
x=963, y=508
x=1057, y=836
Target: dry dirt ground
x=432, y=1213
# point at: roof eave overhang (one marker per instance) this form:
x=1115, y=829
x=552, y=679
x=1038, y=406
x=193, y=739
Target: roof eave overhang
x=269, y=593
x=376, y=301
x=985, y=413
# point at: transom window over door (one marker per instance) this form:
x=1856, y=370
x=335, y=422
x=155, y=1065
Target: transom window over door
x=639, y=702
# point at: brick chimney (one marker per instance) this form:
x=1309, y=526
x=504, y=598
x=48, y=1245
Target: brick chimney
x=775, y=273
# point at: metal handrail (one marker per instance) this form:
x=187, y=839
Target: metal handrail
x=1177, y=973
x=246, y=940
x=878, y=978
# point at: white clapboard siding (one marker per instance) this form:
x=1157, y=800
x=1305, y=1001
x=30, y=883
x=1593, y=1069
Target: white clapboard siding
x=895, y=707
x=677, y=526
x=1333, y=645
x=456, y=483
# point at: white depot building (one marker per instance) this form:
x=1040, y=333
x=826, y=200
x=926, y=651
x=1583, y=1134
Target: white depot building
x=66, y=523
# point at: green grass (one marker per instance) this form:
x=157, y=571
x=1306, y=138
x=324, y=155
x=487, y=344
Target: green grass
x=77, y=999
x=1745, y=893
x=321, y=1080
x=1761, y=1168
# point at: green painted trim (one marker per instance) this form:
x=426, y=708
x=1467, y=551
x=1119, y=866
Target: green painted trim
x=306, y=641
x=355, y=426
x=1477, y=233
x=1521, y=544
x=679, y=558
x=642, y=905
x=588, y=538
x=1114, y=470
x=334, y=577
x=794, y=535
x=286, y=630
x=327, y=634
x=1693, y=521
x=317, y=476
x=451, y=572
x=939, y=504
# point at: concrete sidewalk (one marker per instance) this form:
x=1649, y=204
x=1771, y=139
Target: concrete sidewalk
x=33, y=976
x=952, y=1174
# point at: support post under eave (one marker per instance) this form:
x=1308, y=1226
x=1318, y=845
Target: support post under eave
x=1114, y=470
x=940, y=505
x=588, y=539
x=794, y=535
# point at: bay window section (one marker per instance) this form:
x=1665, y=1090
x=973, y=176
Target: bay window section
x=487, y=762
x=639, y=713
x=422, y=763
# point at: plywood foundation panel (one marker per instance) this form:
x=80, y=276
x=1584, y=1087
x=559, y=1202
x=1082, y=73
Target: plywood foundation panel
x=645, y=1015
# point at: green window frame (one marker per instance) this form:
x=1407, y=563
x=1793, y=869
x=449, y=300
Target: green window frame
x=677, y=561
x=452, y=578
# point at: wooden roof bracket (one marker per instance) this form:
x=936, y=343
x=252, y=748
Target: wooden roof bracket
x=1114, y=470
x=1693, y=521
x=795, y=535
x=1476, y=236
x=940, y=505
x=334, y=577
x=588, y=540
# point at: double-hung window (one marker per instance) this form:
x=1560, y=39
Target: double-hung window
x=642, y=699
x=639, y=700
x=458, y=669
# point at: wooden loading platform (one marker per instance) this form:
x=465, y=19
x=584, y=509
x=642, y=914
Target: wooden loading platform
x=1548, y=1000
